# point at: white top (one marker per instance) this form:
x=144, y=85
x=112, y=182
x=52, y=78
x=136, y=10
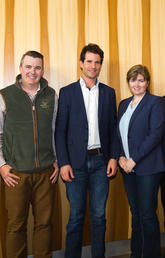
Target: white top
x=91, y=97
x=124, y=125
x=2, y=118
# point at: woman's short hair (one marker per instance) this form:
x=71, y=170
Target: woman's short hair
x=138, y=69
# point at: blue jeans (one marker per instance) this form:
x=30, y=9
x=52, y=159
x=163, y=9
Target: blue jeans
x=142, y=194
x=91, y=177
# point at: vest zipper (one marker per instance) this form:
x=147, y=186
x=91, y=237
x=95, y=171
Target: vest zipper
x=35, y=130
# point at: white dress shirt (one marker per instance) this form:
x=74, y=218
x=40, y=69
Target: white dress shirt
x=124, y=126
x=91, y=97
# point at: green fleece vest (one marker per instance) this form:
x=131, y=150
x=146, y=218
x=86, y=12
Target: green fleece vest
x=27, y=136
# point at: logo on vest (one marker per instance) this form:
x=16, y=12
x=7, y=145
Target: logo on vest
x=44, y=104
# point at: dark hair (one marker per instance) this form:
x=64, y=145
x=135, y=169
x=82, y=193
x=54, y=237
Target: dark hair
x=93, y=48
x=34, y=54
x=138, y=69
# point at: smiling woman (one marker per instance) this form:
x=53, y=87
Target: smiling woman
x=141, y=120
x=138, y=79
x=138, y=86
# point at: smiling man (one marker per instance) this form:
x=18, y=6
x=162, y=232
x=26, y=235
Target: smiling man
x=27, y=156
x=87, y=149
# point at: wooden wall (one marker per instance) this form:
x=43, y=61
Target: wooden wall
x=129, y=32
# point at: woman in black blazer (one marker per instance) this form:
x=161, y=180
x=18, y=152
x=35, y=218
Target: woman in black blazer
x=141, y=123
x=162, y=181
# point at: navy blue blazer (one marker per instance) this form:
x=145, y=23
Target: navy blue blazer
x=72, y=125
x=145, y=134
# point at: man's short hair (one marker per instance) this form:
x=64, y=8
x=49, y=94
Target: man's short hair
x=92, y=48
x=34, y=54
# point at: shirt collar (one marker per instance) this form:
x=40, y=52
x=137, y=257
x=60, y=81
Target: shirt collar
x=32, y=97
x=39, y=86
x=83, y=84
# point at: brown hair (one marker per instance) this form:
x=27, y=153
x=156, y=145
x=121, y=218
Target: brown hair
x=138, y=69
x=34, y=54
x=93, y=48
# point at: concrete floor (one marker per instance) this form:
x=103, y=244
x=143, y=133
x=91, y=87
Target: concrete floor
x=117, y=249
x=128, y=255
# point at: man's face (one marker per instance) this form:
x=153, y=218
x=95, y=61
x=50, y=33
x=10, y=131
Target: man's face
x=91, y=66
x=31, y=71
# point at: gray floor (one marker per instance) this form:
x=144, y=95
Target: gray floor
x=121, y=256
x=117, y=249
x=128, y=255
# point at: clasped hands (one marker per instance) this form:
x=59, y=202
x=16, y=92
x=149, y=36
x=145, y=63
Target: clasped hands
x=127, y=164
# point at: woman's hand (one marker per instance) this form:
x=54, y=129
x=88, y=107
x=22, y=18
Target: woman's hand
x=127, y=164
x=130, y=164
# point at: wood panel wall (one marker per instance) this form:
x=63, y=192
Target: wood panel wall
x=129, y=32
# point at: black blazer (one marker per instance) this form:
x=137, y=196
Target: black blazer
x=72, y=125
x=145, y=134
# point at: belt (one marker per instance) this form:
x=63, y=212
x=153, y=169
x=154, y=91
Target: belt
x=94, y=151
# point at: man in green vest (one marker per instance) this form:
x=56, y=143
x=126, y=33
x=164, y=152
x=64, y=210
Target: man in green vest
x=28, y=163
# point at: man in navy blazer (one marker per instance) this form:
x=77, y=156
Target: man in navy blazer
x=87, y=150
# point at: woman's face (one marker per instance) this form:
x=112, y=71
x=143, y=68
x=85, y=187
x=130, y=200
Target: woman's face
x=138, y=85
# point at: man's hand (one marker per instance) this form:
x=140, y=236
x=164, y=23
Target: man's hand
x=111, y=168
x=66, y=173
x=55, y=174
x=9, y=178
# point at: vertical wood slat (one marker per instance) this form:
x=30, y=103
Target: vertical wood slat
x=44, y=39
x=26, y=29
x=157, y=35
x=146, y=41
x=2, y=42
x=9, y=76
x=129, y=20
x=114, y=77
x=81, y=31
x=116, y=196
x=97, y=31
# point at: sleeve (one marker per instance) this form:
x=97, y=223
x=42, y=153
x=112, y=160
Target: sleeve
x=61, y=129
x=121, y=149
x=114, y=149
x=54, y=123
x=2, y=118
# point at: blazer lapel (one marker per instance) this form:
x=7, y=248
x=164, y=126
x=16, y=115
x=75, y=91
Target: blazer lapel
x=123, y=107
x=138, y=109
x=100, y=101
x=79, y=99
